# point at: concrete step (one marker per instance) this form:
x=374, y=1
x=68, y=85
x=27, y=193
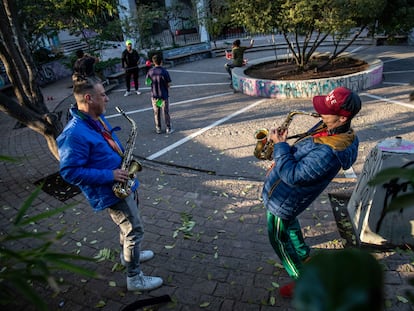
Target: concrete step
x=68, y=47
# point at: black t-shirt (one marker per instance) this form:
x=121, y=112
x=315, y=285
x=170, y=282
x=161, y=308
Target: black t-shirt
x=84, y=66
x=130, y=59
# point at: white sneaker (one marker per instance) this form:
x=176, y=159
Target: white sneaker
x=138, y=92
x=127, y=93
x=143, y=282
x=143, y=256
x=169, y=131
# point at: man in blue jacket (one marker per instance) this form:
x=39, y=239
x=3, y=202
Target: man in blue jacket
x=90, y=157
x=302, y=171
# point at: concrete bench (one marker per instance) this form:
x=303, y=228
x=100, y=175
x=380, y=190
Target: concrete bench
x=187, y=53
x=383, y=39
x=117, y=77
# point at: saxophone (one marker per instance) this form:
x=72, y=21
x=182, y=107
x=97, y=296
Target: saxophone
x=264, y=146
x=123, y=189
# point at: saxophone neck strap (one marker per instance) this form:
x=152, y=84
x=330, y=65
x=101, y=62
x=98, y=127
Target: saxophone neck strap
x=107, y=134
x=101, y=127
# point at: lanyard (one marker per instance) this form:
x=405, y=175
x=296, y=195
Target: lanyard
x=108, y=137
x=101, y=128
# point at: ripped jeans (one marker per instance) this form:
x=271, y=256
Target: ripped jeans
x=126, y=216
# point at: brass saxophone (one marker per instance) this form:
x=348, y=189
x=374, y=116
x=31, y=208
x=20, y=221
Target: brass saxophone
x=264, y=146
x=123, y=189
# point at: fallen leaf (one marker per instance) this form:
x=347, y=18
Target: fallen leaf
x=100, y=304
x=402, y=299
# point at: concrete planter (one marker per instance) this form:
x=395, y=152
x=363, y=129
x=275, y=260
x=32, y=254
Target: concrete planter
x=305, y=88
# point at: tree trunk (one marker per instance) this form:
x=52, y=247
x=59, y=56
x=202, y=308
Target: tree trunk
x=30, y=108
x=48, y=124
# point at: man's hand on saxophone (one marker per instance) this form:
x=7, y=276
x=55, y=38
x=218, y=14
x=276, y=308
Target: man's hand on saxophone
x=278, y=135
x=121, y=175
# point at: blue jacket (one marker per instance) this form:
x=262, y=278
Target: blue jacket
x=87, y=161
x=302, y=171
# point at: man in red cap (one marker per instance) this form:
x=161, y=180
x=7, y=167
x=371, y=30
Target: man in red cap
x=302, y=171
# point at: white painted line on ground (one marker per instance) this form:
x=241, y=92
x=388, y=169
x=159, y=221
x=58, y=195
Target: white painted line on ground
x=356, y=49
x=218, y=122
x=397, y=72
x=179, y=86
x=396, y=83
x=387, y=100
x=198, y=72
x=199, y=84
x=396, y=59
x=171, y=104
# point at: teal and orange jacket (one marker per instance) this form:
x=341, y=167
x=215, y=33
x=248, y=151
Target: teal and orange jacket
x=302, y=171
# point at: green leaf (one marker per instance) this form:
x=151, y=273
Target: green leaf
x=23, y=287
x=100, y=304
x=46, y=214
x=8, y=159
x=402, y=299
x=73, y=268
x=26, y=205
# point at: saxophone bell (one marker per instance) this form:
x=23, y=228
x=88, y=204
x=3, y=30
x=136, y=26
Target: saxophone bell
x=134, y=167
x=263, y=150
x=264, y=146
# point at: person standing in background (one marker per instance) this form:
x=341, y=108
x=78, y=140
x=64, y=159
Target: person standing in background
x=130, y=61
x=159, y=79
x=84, y=65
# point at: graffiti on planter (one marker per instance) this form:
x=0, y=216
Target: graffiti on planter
x=308, y=88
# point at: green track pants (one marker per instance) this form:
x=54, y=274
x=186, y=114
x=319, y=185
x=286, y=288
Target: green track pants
x=287, y=241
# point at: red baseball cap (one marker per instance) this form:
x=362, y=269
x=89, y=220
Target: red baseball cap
x=340, y=101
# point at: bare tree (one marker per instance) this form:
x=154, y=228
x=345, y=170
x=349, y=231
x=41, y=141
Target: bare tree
x=30, y=108
x=21, y=20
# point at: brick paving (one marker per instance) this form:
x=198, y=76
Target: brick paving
x=225, y=263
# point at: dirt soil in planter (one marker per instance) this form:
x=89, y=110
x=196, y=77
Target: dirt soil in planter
x=283, y=70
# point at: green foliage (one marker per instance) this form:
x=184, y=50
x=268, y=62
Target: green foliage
x=23, y=266
x=44, y=18
x=256, y=16
x=109, y=63
x=314, y=20
x=347, y=280
x=146, y=16
x=397, y=18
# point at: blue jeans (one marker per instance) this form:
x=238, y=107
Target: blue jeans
x=131, y=231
